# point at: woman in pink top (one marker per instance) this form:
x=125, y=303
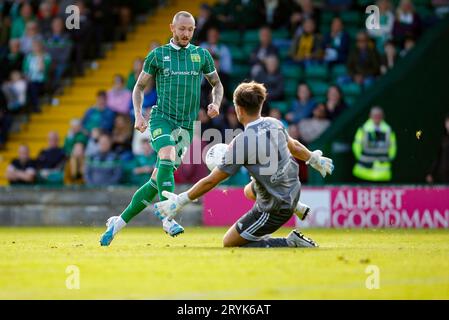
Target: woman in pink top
x=119, y=97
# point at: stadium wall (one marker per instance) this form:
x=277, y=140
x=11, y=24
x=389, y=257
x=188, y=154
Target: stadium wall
x=336, y=207
x=76, y=207
x=415, y=97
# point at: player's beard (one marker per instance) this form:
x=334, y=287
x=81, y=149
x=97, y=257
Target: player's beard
x=179, y=43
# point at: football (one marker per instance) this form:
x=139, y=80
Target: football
x=215, y=154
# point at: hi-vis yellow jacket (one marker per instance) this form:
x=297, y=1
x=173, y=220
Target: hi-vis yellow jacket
x=374, y=150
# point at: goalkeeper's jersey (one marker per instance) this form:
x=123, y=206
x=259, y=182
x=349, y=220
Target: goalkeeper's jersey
x=178, y=72
x=263, y=149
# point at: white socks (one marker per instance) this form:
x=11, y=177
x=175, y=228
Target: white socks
x=119, y=224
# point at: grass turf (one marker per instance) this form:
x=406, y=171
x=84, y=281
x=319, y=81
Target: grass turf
x=144, y=263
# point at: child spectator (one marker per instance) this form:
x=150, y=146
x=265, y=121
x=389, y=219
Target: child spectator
x=74, y=167
x=15, y=91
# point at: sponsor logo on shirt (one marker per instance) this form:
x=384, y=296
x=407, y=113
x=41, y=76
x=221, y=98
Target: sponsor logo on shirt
x=166, y=58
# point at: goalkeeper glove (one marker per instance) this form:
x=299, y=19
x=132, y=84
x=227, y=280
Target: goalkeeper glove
x=322, y=164
x=170, y=208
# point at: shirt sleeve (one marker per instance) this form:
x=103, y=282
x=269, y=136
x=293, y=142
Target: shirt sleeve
x=208, y=64
x=150, y=63
x=232, y=160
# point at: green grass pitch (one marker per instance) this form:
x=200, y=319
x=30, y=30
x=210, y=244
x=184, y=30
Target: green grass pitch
x=144, y=263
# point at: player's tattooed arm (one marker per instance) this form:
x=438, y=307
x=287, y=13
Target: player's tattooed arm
x=213, y=109
x=138, y=93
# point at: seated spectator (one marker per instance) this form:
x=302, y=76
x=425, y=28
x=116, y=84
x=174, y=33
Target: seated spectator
x=121, y=136
x=13, y=60
x=386, y=23
x=218, y=49
x=134, y=74
x=93, y=146
x=336, y=43
x=103, y=168
x=19, y=22
x=143, y=164
x=5, y=125
x=388, y=59
x=301, y=11
x=335, y=104
x=31, y=35
x=119, y=97
x=306, y=48
x=50, y=161
x=59, y=46
x=439, y=170
x=22, y=170
x=264, y=49
x=303, y=106
x=45, y=17
x=74, y=167
x=311, y=129
x=75, y=135
x=204, y=22
x=15, y=91
x=363, y=61
x=271, y=76
x=409, y=43
x=99, y=116
x=407, y=23
x=36, y=67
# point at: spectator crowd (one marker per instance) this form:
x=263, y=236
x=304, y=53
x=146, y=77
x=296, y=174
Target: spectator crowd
x=314, y=59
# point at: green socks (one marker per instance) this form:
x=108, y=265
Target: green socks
x=165, y=178
x=141, y=199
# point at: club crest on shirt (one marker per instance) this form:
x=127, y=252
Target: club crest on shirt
x=195, y=57
x=157, y=132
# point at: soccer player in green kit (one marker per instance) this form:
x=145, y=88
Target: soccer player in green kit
x=177, y=68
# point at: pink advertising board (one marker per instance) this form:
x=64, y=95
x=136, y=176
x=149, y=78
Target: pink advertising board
x=346, y=207
x=223, y=207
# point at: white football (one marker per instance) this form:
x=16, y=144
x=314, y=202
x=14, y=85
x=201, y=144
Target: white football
x=215, y=155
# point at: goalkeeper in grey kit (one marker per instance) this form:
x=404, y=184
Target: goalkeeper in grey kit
x=265, y=149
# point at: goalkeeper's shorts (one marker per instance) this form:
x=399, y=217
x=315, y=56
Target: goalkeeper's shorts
x=255, y=225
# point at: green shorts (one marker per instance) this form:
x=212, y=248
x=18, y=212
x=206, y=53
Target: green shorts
x=164, y=132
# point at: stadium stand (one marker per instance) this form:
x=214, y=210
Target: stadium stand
x=317, y=43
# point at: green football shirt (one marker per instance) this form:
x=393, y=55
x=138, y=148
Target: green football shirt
x=178, y=73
